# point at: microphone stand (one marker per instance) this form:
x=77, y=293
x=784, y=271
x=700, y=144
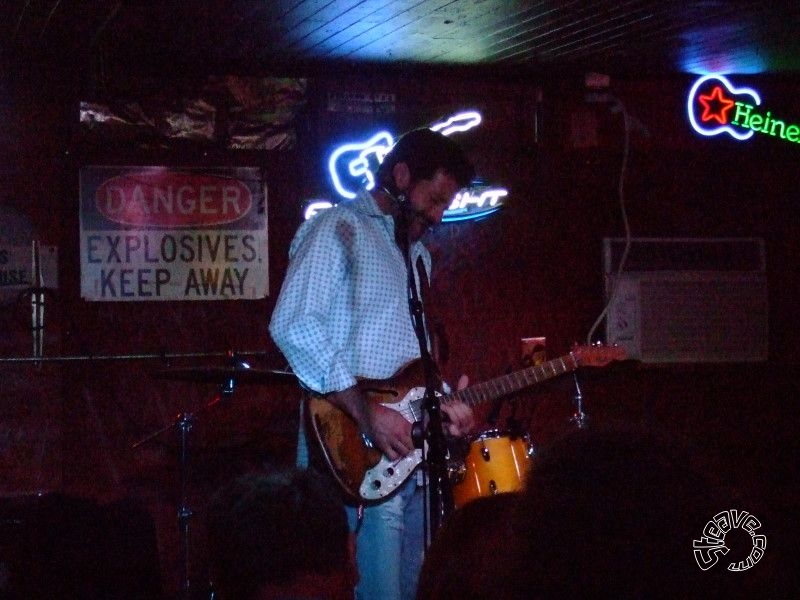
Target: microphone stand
x=439, y=494
x=37, y=292
x=439, y=491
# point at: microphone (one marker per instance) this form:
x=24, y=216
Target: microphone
x=37, y=302
x=399, y=198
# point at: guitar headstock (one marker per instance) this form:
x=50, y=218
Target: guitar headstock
x=597, y=356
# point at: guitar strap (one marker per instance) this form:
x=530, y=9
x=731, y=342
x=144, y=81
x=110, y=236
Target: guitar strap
x=417, y=301
x=416, y=307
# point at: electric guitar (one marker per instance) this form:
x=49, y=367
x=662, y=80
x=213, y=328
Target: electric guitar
x=362, y=471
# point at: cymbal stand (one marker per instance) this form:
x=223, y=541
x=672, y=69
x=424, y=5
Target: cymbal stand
x=183, y=424
x=579, y=417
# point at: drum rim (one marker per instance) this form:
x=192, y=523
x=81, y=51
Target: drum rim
x=496, y=433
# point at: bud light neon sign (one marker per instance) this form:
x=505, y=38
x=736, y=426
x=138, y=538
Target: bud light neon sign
x=474, y=202
x=350, y=163
x=352, y=166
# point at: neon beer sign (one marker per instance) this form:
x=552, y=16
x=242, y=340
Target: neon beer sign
x=462, y=121
x=352, y=166
x=715, y=106
x=315, y=206
x=474, y=202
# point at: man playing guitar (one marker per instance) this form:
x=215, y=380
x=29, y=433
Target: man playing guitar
x=343, y=317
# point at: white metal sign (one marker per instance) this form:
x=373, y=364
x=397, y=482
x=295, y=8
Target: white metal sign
x=158, y=233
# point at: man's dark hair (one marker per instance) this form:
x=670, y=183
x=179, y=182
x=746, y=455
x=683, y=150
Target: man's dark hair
x=270, y=529
x=425, y=151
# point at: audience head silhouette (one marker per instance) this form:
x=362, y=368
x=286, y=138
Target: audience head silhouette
x=279, y=535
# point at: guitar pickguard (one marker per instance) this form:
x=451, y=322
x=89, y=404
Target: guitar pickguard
x=386, y=476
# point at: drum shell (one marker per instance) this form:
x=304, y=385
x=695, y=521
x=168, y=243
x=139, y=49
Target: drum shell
x=496, y=463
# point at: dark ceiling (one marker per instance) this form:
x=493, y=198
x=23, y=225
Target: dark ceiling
x=623, y=37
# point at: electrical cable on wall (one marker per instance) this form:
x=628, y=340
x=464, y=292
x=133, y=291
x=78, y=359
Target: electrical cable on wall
x=617, y=105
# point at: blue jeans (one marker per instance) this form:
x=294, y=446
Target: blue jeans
x=390, y=545
x=390, y=539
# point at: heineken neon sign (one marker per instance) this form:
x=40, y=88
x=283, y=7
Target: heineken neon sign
x=715, y=106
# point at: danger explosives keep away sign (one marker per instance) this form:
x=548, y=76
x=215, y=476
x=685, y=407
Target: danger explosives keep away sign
x=157, y=233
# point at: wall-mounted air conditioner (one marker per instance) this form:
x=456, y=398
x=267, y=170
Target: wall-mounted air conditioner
x=688, y=300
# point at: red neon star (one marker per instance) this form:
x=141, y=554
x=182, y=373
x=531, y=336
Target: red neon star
x=715, y=106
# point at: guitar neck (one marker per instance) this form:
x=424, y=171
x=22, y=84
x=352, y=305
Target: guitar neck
x=514, y=382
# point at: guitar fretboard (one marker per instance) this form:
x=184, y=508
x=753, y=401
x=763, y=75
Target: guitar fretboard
x=514, y=382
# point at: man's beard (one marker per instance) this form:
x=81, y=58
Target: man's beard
x=412, y=224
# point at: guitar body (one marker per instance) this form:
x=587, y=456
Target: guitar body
x=362, y=471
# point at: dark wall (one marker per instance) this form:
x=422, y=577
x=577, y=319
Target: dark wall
x=533, y=269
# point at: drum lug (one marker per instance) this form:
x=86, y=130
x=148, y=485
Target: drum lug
x=485, y=454
x=530, y=449
x=456, y=470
